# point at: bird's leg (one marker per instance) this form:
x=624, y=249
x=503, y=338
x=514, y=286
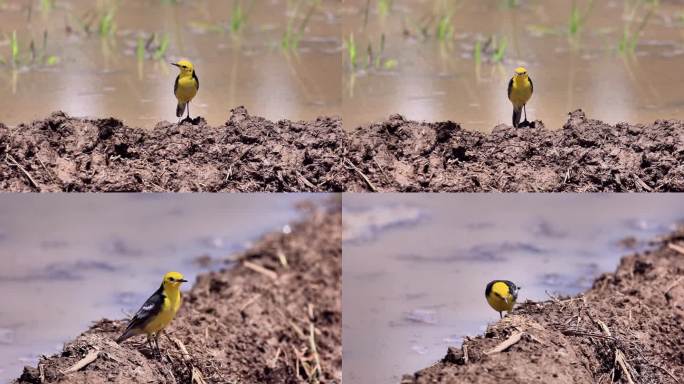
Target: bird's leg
x=525, y=110
x=156, y=342
x=189, y=111
x=149, y=343
x=500, y=315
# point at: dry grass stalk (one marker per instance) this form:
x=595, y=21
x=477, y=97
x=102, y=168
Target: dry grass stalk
x=259, y=269
x=89, y=358
x=514, y=338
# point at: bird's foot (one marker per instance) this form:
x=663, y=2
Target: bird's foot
x=527, y=123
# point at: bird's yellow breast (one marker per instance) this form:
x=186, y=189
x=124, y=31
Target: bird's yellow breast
x=172, y=303
x=187, y=89
x=521, y=91
x=500, y=304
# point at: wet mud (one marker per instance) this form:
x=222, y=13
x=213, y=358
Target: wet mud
x=246, y=154
x=275, y=317
x=626, y=329
x=584, y=156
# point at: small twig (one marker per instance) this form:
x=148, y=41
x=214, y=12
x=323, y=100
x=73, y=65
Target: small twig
x=673, y=285
x=89, y=358
x=9, y=158
x=306, y=181
x=664, y=370
x=676, y=247
x=282, y=258
x=258, y=268
x=363, y=176
x=465, y=353
x=249, y=302
x=514, y=338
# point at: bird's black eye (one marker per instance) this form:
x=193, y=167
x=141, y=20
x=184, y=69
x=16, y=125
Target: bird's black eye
x=171, y=279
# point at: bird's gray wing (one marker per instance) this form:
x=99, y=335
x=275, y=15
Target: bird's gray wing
x=510, y=87
x=175, y=85
x=149, y=309
x=194, y=76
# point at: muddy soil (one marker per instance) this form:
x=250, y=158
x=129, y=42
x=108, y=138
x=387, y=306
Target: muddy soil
x=628, y=328
x=275, y=317
x=246, y=154
x=585, y=156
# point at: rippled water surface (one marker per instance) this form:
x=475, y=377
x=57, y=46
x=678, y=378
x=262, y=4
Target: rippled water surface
x=415, y=266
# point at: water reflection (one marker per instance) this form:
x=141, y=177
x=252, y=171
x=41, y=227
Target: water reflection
x=414, y=276
x=459, y=77
x=117, y=72
x=68, y=260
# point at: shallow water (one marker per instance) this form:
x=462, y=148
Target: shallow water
x=69, y=260
x=101, y=77
x=415, y=266
x=432, y=80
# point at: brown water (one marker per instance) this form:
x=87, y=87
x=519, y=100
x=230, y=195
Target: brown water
x=102, y=76
x=429, y=79
x=68, y=260
x=415, y=266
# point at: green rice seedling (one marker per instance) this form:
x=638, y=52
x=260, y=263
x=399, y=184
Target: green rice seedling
x=577, y=18
x=238, y=17
x=352, y=53
x=14, y=47
x=445, y=28
x=293, y=32
x=510, y=4
x=384, y=7
x=500, y=50
x=106, y=24
x=630, y=37
x=477, y=52
x=140, y=49
x=162, y=48
x=47, y=5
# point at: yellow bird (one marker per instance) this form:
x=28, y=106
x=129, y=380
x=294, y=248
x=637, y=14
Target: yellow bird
x=185, y=87
x=520, y=90
x=501, y=295
x=157, y=312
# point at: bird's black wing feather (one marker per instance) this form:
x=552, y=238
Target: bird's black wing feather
x=175, y=85
x=531, y=84
x=194, y=76
x=488, y=290
x=152, y=307
x=510, y=87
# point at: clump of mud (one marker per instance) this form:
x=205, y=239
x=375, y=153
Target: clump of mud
x=246, y=154
x=273, y=318
x=585, y=156
x=628, y=328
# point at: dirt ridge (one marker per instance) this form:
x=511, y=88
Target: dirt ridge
x=630, y=323
x=584, y=156
x=275, y=317
x=246, y=154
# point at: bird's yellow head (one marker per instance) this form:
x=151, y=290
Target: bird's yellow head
x=186, y=67
x=504, y=290
x=521, y=73
x=173, y=280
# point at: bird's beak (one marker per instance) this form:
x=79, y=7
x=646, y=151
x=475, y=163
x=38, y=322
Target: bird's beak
x=175, y=65
x=506, y=299
x=183, y=281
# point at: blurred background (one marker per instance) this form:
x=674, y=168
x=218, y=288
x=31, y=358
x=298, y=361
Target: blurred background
x=619, y=60
x=71, y=259
x=279, y=58
x=416, y=266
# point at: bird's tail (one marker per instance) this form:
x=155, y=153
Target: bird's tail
x=517, y=114
x=180, y=109
x=127, y=334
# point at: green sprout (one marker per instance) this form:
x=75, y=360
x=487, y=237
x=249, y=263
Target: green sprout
x=14, y=46
x=352, y=53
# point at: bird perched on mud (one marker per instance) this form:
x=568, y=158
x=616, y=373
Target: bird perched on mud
x=157, y=312
x=520, y=90
x=186, y=87
x=501, y=295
